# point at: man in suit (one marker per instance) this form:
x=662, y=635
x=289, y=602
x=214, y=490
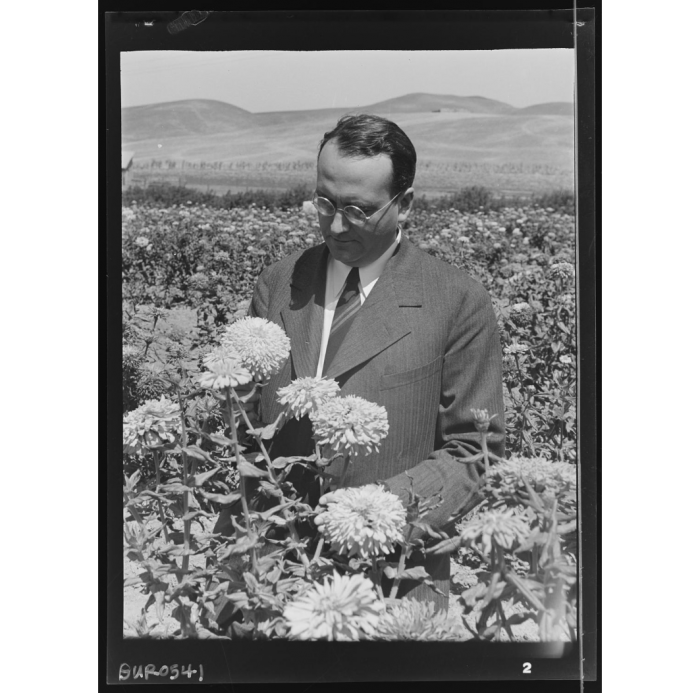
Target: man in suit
x=422, y=340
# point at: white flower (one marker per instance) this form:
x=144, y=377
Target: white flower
x=129, y=351
x=304, y=395
x=414, y=620
x=142, y=242
x=516, y=348
x=365, y=521
x=482, y=420
x=562, y=270
x=151, y=425
x=521, y=313
x=224, y=369
x=343, y=608
x=347, y=424
x=262, y=345
x=501, y=526
x=308, y=209
x=504, y=482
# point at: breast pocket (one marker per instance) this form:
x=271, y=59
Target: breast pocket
x=415, y=375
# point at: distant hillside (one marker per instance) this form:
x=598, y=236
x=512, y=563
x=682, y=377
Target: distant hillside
x=178, y=118
x=560, y=108
x=482, y=138
x=422, y=103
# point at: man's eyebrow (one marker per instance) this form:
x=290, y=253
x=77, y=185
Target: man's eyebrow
x=355, y=202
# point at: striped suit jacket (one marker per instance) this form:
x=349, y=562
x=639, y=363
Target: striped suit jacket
x=425, y=345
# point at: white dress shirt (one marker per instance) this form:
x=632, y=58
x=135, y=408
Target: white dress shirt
x=336, y=275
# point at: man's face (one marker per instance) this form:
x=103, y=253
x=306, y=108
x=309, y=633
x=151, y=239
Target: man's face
x=365, y=183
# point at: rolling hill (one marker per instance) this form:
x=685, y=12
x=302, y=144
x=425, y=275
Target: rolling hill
x=454, y=132
x=562, y=108
x=420, y=103
x=182, y=118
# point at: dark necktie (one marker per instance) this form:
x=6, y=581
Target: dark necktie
x=345, y=312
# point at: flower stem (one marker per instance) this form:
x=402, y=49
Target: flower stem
x=517, y=364
x=376, y=579
x=270, y=473
x=319, y=548
x=156, y=460
x=186, y=493
x=242, y=479
x=397, y=579
x=485, y=451
x=345, y=469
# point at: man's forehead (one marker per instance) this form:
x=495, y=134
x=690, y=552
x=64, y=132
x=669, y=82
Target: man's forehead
x=360, y=174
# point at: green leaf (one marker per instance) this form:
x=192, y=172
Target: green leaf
x=282, y=462
x=218, y=439
x=243, y=630
x=174, y=487
x=197, y=452
x=491, y=630
x=249, y=395
x=272, y=511
x=243, y=545
x=447, y=546
x=240, y=598
x=495, y=590
x=195, y=513
x=265, y=433
x=473, y=594
x=204, y=634
x=221, y=498
x=518, y=618
x=428, y=529
x=566, y=528
x=245, y=468
x=199, y=479
x=495, y=437
x=173, y=550
x=417, y=573
x=250, y=581
x=390, y=572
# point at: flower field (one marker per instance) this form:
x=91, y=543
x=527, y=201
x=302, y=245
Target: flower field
x=192, y=366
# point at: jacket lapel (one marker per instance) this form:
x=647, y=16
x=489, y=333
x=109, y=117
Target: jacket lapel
x=303, y=318
x=380, y=322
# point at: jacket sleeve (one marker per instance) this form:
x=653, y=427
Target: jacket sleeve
x=471, y=379
x=261, y=296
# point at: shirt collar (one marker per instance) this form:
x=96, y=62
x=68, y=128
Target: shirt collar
x=338, y=271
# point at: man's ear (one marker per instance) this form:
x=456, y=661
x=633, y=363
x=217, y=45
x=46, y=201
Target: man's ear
x=405, y=205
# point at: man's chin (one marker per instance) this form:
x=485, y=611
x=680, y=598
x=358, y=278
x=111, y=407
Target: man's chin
x=343, y=252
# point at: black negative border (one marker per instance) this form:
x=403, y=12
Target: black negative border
x=225, y=661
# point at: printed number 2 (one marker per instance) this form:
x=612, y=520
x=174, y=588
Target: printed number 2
x=527, y=668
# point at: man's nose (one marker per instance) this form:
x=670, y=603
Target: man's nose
x=339, y=224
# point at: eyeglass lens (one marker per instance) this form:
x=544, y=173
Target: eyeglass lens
x=327, y=208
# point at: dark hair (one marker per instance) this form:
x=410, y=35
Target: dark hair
x=366, y=135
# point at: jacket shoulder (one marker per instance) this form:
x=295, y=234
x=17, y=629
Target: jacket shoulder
x=284, y=268
x=446, y=278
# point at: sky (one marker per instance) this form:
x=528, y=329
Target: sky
x=260, y=81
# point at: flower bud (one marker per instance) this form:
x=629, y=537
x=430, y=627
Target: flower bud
x=482, y=419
